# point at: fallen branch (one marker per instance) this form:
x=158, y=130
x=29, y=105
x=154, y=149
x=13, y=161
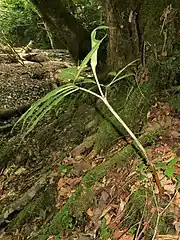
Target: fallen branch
x=6, y=114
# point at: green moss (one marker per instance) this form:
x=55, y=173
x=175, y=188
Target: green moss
x=175, y=101
x=151, y=23
x=166, y=224
x=135, y=207
x=105, y=233
x=36, y=208
x=8, y=151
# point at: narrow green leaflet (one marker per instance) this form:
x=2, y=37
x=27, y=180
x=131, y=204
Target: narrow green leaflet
x=122, y=77
x=41, y=101
x=172, y=162
x=122, y=70
x=46, y=104
x=48, y=109
x=161, y=165
x=95, y=45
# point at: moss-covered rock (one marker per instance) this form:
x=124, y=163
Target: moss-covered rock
x=40, y=206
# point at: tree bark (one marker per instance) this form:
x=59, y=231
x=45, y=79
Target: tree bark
x=137, y=24
x=64, y=27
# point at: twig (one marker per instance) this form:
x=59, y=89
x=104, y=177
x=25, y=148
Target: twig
x=161, y=213
x=144, y=228
x=13, y=51
x=140, y=222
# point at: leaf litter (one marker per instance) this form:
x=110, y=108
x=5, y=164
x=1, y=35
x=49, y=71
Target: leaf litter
x=113, y=193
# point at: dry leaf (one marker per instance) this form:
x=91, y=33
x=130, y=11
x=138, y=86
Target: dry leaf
x=177, y=226
x=167, y=237
x=108, y=218
x=117, y=234
x=105, y=211
x=51, y=238
x=104, y=196
x=176, y=200
x=90, y=212
x=127, y=237
x=168, y=185
x=60, y=183
x=112, y=225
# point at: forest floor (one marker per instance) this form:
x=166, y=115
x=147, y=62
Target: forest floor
x=126, y=201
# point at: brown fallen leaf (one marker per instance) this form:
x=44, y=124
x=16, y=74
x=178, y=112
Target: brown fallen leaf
x=177, y=226
x=105, y=211
x=51, y=238
x=108, y=218
x=90, y=212
x=117, y=234
x=176, y=200
x=61, y=182
x=167, y=237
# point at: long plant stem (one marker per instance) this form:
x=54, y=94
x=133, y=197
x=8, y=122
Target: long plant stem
x=125, y=126
x=105, y=101
x=97, y=82
x=136, y=141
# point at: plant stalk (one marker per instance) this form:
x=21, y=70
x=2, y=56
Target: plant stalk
x=156, y=178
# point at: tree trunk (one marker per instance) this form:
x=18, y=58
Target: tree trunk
x=144, y=29
x=64, y=27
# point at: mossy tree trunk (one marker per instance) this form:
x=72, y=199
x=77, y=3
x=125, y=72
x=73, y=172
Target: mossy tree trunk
x=63, y=27
x=145, y=29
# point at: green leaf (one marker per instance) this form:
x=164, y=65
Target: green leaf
x=68, y=74
x=49, y=102
x=178, y=185
x=29, y=129
x=65, y=169
x=160, y=165
x=142, y=167
x=172, y=162
x=105, y=232
x=95, y=45
x=133, y=230
x=122, y=70
x=112, y=73
x=169, y=172
x=178, y=178
x=41, y=101
x=85, y=80
x=122, y=77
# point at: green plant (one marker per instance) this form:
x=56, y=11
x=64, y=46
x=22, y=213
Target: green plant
x=89, y=12
x=74, y=83
x=20, y=23
x=105, y=233
x=169, y=169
